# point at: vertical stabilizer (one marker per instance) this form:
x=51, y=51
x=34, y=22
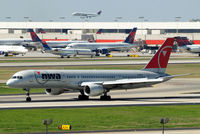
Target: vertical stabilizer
x=34, y=36
x=131, y=37
x=160, y=60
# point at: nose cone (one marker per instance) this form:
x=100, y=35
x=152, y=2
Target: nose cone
x=11, y=83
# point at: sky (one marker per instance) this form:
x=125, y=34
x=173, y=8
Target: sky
x=128, y=10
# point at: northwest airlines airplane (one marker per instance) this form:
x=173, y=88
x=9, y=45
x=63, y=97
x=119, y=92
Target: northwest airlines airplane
x=86, y=15
x=184, y=44
x=106, y=48
x=95, y=82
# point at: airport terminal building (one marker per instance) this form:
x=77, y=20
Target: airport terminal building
x=151, y=32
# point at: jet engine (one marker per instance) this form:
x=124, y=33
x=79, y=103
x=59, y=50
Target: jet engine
x=53, y=91
x=104, y=51
x=93, y=90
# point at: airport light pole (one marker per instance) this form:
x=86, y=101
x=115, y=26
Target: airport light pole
x=62, y=18
x=177, y=19
x=164, y=121
x=142, y=20
x=46, y=123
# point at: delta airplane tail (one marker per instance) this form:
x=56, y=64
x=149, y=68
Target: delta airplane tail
x=34, y=36
x=131, y=36
x=99, y=31
x=182, y=41
x=160, y=60
x=40, y=30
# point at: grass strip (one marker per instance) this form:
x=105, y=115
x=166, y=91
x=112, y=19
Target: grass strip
x=135, y=117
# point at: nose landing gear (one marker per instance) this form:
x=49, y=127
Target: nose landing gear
x=28, y=98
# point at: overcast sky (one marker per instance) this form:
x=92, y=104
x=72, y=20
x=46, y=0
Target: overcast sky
x=129, y=10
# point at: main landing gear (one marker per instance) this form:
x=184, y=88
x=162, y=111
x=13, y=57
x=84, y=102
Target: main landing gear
x=105, y=96
x=28, y=98
x=82, y=96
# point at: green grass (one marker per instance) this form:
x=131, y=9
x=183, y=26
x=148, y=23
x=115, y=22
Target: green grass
x=30, y=120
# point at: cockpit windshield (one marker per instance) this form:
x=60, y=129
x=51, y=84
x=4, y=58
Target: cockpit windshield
x=17, y=77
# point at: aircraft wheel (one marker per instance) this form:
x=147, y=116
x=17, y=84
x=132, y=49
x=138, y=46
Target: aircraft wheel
x=199, y=54
x=68, y=56
x=107, y=54
x=97, y=54
x=28, y=99
x=62, y=57
x=105, y=97
x=83, y=97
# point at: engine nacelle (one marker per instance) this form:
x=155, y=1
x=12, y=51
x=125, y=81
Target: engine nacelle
x=93, y=90
x=53, y=91
x=104, y=51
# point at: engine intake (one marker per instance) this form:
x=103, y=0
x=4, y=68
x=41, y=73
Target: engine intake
x=93, y=90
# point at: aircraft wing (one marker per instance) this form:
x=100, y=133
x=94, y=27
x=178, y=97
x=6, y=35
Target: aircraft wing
x=124, y=81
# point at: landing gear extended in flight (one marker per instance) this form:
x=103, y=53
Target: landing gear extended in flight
x=28, y=98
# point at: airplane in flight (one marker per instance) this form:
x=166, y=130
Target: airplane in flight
x=95, y=82
x=68, y=52
x=185, y=45
x=13, y=50
x=86, y=15
x=106, y=48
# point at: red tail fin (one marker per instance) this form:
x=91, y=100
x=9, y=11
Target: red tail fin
x=160, y=60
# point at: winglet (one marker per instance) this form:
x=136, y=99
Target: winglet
x=34, y=36
x=160, y=60
x=131, y=36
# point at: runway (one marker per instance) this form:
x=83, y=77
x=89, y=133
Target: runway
x=174, y=92
x=175, y=59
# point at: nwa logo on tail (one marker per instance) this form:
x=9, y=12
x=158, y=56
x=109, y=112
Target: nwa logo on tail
x=44, y=76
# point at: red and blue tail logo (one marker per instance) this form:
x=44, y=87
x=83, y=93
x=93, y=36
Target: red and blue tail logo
x=131, y=37
x=160, y=60
x=99, y=31
x=40, y=30
x=45, y=45
x=34, y=36
x=182, y=41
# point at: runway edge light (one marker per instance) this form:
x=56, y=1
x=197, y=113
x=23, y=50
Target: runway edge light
x=64, y=127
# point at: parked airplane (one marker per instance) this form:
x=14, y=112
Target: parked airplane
x=54, y=44
x=68, y=52
x=95, y=82
x=22, y=42
x=106, y=48
x=185, y=45
x=86, y=15
x=13, y=50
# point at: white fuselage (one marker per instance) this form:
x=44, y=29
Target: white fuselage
x=191, y=48
x=14, y=41
x=99, y=46
x=62, y=44
x=70, y=51
x=13, y=49
x=71, y=79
